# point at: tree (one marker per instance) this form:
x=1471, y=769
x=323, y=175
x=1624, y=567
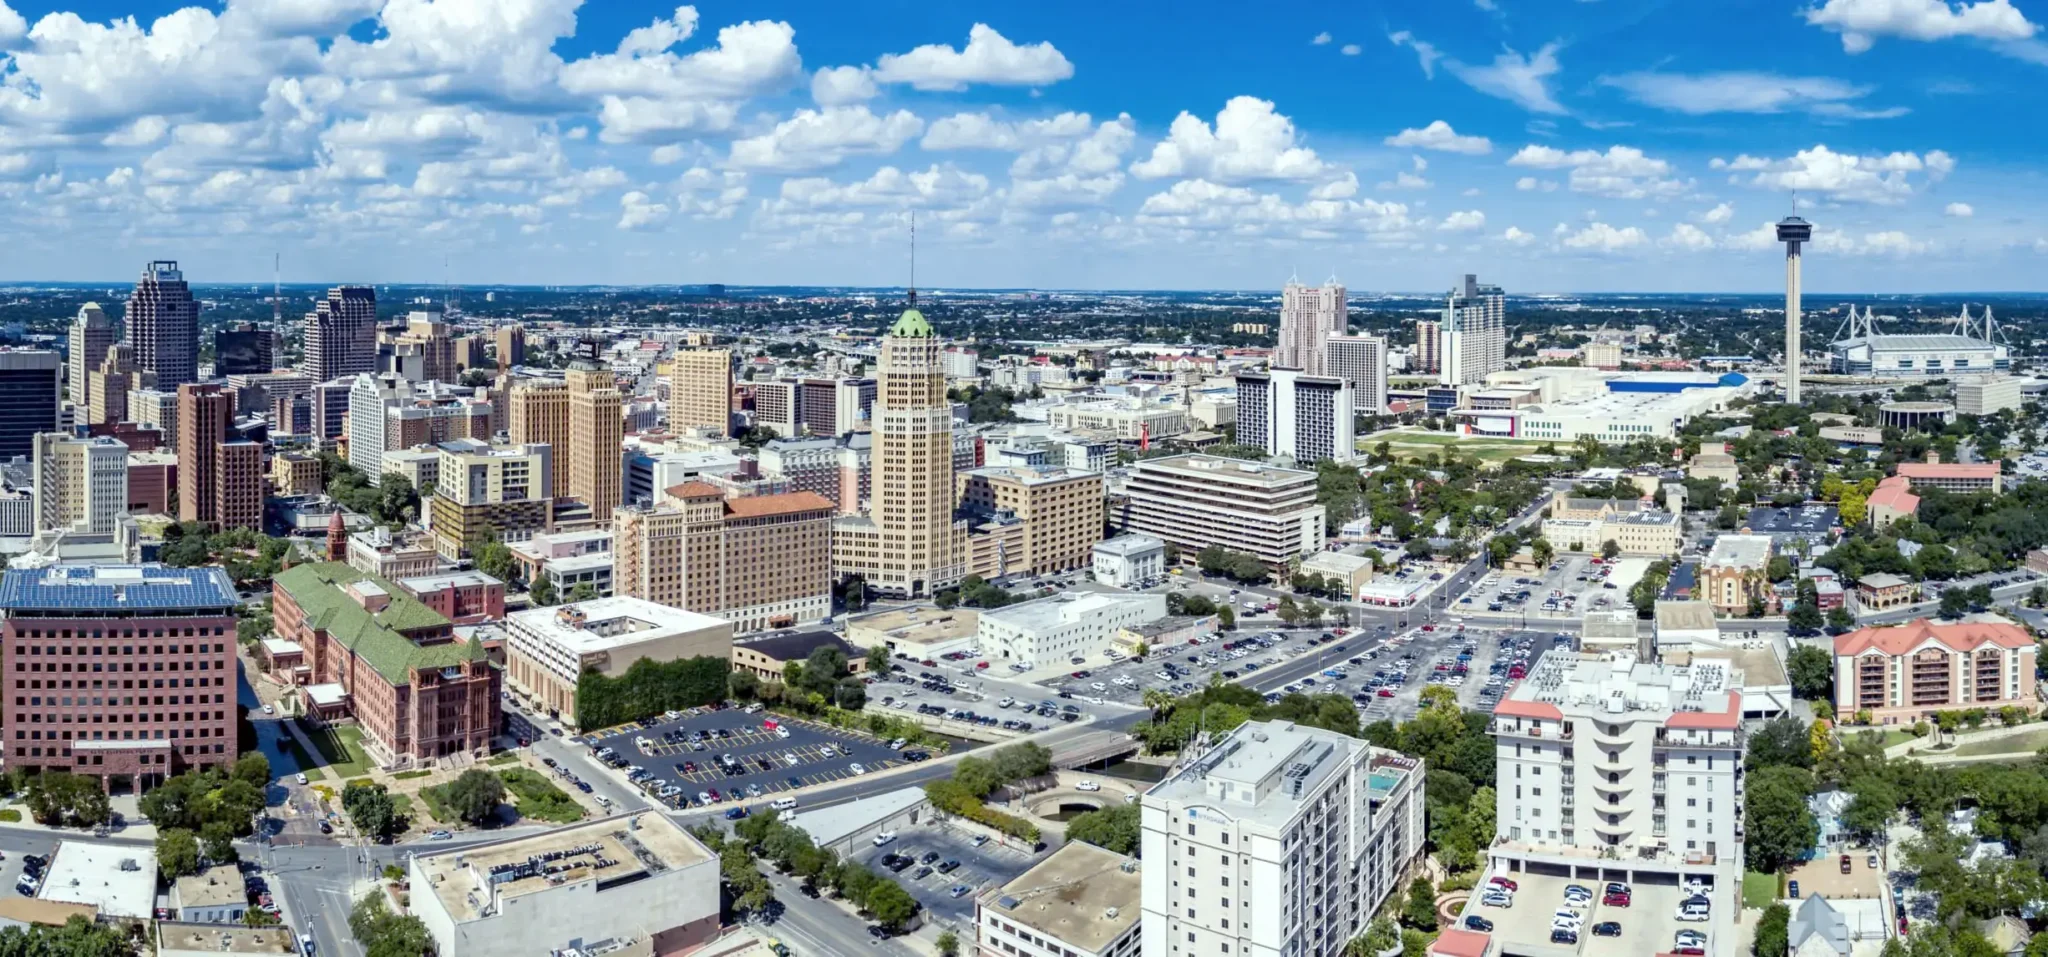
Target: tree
x=891, y=904
x=62, y=799
x=1112, y=828
x=1812, y=671
x=878, y=660
x=1781, y=741
x=1855, y=506
x=583, y=591
x=948, y=944
x=1610, y=550
x=1419, y=913
x=373, y=811
x=1872, y=803
x=384, y=934
x=1773, y=935
x=177, y=853
x=1779, y=568
x=217, y=839
x=1955, y=603
x=1839, y=620
x=253, y=769
x=1781, y=827
x=495, y=560
x=1541, y=551
x=475, y=795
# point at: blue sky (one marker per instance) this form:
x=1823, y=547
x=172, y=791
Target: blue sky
x=1551, y=145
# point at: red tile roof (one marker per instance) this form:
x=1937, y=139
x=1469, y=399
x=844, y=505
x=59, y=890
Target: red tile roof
x=1461, y=943
x=1512, y=708
x=755, y=506
x=1710, y=720
x=695, y=490
x=1893, y=493
x=1937, y=470
x=1965, y=636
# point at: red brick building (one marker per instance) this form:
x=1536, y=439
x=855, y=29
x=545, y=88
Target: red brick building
x=465, y=598
x=124, y=673
x=391, y=662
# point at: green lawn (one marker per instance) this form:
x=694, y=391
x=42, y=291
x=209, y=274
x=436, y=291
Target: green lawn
x=1409, y=444
x=504, y=759
x=403, y=803
x=2024, y=743
x=341, y=749
x=1759, y=890
x=1894, y=738
x=538, y=798
x=436, y=808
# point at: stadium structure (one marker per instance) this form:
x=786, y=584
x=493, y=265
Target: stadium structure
x=1973, y=346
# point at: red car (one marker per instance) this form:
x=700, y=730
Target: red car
x=1386, y=692
x=980, y=665
x=1428, y=627
x=1618, y=895
x=715, y=796
x=1505, y=882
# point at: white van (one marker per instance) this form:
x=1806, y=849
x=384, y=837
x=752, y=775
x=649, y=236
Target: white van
x=783, y=804
x=1693, y=909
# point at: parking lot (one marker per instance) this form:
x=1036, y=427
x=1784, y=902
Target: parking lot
x=1570, y=586
x=1647, y=925
x=708, y=757
x=930, y=847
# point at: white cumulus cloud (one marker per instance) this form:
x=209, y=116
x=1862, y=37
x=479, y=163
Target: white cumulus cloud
x=1515, y=235
x=1721, y=213
x=1463, y=221
x=1622, y=172
x=1959, y=210
x=842, y=85
x=1870, y=179
x=1249, y=142
x=1861, y=22
x=1439, y=135
x=989, y=58
x=814, y=139
x=1602, y=238
x=1688, y=237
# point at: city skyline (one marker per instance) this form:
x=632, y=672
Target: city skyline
x=1622, y=146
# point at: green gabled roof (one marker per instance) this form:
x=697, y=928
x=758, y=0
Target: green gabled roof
x=380, y=638
x=911, y=325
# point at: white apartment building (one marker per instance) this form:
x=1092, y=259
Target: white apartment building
x=1309, y=315
x=1068, y=625
x=1613, y=769
x=1195, y=501
x=1361, y=361
x=1082, y=901
x=1304, y=417
x=1126, y=560
x=1280, y=841
x=1987, y=394
x=548, y=649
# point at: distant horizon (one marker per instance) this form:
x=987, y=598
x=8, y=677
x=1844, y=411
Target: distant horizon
x=1350, y=292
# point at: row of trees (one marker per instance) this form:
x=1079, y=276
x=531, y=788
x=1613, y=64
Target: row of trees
x=392, y=501
x=649, y=688
x=250, y=557
x=1222, y=706
x=975, y=591
x=765, y=836
x=473, y=797
x=975, y=778
x=1179, y=604
x=385, y=934
x=62, y=799
x=1237, y=566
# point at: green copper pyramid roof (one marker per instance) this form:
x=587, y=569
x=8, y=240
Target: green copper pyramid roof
x=911, y=325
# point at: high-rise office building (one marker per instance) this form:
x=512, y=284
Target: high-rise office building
x=205, y=413
x=369, y=401
x=510, y=342
x=155, y=409
x=759, y=561
x=424, y=352
x=908, y=543
x=1046, y=518
x=1361, y=361
x=469, y=353
x=1309, y=316
x=163, y=325
x=1195, y=501
x=1305, y=417
x=700, y=391
x=31, y=399
x=1475, y=333
x=91, y=333
x=596, y=464
x=109, y=382
x=539, y=415
x=832, y=407
x=81, y=483
x=341, y=334
x=775, y=406
x=1282, y=840
x=239, y=484
x=481, y=489
x=1429, y=347
x=120, y=616
x=243, y=350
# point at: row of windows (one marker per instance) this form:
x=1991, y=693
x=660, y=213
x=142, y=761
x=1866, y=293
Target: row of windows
x=129, y=735
x=102, y=650
x=26, y=752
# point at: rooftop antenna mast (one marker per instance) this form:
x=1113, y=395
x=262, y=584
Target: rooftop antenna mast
x=913, y=259
x=276, y=290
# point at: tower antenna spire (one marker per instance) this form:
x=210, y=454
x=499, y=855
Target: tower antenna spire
x=913, y=259
x=276, y=290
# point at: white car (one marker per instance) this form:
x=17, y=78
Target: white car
x=857, y=768
x=1088, y=786
x=302, y=777
x=882, y=839
x=1099, y=686
x=269, y=709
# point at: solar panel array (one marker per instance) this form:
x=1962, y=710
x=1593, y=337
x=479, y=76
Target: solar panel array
x=116, y=587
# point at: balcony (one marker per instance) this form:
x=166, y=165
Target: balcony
x=1615, y=762
x=1569, y=800
x=1514, y=729
x=1658, y=785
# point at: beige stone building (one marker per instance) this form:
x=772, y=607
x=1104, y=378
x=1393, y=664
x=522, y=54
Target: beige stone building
x=760, y=561
x=1714, y=462
x=548, y=649
x=1733, y=573
x=595, y=433
x=908, y=543
x=1059, y=514
x=539, y=415
x=700, y=391
x=484, y=490
x=295, y=473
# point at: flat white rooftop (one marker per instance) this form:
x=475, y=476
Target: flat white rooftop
x=118, y=879
x=607, y=624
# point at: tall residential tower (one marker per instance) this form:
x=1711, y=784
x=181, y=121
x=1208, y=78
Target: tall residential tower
x=1309, y=316
x=1475, y=333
